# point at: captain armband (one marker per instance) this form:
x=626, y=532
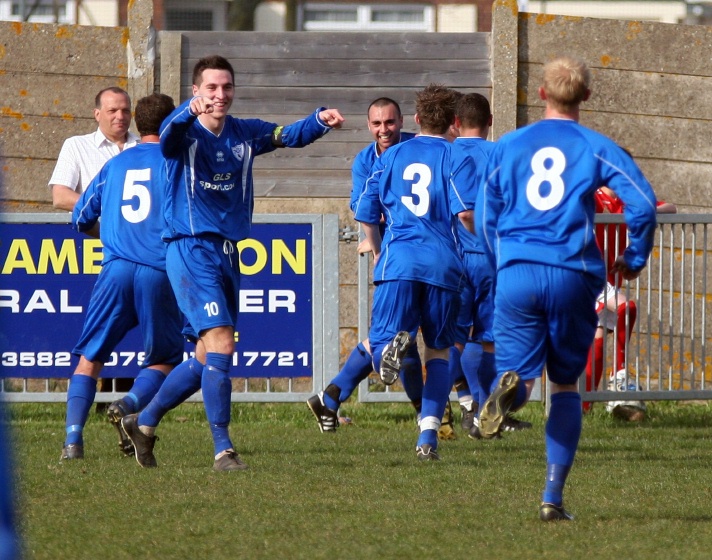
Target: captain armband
x=277, y=136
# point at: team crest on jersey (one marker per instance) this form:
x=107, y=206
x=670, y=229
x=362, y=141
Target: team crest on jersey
x=238, y=151
x=220, y=156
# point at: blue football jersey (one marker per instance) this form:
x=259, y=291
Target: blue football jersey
x=478, y=149
x=411, y=184
x=363, y=162
x=128, y=193
x=537, y=201
x=210, y=186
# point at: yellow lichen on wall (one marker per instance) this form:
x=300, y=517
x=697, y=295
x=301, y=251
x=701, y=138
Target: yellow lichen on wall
x=64, y=33
x=511, y=4
x=9, y=112
x=634, y=28
x=543, y=19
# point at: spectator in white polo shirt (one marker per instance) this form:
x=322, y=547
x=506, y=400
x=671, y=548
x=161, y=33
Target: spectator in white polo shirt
x=82, y=157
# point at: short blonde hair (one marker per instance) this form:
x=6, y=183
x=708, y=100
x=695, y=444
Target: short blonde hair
x=566, y=82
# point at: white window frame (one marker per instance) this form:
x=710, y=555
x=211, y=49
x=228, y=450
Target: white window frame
x=6, y=12
x=363, y=18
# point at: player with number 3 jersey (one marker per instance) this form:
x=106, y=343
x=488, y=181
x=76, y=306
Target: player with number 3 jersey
x=418, y=269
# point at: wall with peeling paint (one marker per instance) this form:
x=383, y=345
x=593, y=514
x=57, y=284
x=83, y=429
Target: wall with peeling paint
x=650, y=90
x=49, y=75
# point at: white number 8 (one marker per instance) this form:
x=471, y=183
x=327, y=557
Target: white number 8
x=552, y=175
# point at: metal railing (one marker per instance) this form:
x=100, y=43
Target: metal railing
x=668, y=351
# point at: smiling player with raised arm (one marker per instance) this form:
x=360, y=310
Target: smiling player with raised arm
x=209, y=156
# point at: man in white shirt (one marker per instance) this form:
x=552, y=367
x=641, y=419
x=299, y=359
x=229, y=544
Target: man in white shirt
x=82, y=157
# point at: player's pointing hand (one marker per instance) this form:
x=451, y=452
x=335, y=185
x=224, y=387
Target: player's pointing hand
x=331, y=117
x=200, y=105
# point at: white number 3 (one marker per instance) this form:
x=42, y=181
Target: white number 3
x=419, y=188
x=551, y=175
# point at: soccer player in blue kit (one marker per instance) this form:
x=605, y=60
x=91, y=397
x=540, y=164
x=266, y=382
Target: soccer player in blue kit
x=132, y=288
x=418, y=270
x=210, y=155
x=385, y=122
x=535, y=214
x=473, y=119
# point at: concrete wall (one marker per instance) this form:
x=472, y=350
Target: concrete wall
x=650, y=90
x=47, y=96
x=49, y=76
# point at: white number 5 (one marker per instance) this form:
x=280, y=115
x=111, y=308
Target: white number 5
x=551, y=175
x=134, y=189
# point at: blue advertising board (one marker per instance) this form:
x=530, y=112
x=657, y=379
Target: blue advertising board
x=47, y=272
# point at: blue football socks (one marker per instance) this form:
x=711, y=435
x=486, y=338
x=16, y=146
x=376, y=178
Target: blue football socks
x=562, y=434
x=412, y=377
x=435, y=395
x=144, y=388
x=80, y=397
x=180, y=384
x=217, y=390
x=455, y=366
x=356, y=368
x=470, y=363
x=486, y=375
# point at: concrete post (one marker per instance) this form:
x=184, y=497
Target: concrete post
x=505, y=65
x=140, y=49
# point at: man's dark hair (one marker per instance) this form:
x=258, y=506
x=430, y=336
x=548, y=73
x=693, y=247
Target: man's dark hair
x=473, y=110
x=435, y=106
x=384, y=102
x=213, y=62
x=151, y=111
x=112, y=89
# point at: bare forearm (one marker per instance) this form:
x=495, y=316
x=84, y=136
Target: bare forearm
x=64, y=198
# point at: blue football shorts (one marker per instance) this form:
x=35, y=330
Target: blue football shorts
x=476, y=300
x=205, y=275
x=545, y=316
x=406, y=305
x=126, y=295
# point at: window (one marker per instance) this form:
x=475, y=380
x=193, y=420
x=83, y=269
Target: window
x=189, y=15
x=189, y=20
x=367, y=17
x=46, y=11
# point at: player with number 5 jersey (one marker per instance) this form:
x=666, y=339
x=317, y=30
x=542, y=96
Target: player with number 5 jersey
x=535, y=214
x=132, y=288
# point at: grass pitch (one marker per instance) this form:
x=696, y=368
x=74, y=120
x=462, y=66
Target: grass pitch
x=637, y=490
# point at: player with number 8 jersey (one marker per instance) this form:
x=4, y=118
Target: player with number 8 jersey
x=535, y=214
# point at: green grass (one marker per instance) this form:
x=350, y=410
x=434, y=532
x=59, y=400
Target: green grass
x=638, y=491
